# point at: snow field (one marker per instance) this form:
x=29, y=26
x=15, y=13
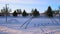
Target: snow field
x=29, y=25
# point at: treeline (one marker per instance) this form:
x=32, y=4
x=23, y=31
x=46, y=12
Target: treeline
x=34, y=13
x=6, y=12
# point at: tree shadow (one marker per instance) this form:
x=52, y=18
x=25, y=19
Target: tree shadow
x=13, y=21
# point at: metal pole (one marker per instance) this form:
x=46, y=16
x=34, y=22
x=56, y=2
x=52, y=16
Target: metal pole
x=6, y=12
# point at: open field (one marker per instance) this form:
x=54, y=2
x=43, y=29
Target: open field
x=29, y=25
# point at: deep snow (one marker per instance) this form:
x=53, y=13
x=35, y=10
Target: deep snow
x=29, y=25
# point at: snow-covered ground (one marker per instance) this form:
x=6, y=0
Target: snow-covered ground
x=29, y=25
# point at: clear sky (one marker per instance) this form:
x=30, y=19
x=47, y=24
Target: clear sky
x=28, y=5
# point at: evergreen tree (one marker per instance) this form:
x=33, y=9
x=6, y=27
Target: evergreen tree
x=15, y=13
x=35, y=13
x=59, y=11
x=24, y=13
x=49, y=12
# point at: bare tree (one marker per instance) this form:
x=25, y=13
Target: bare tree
x=5, y=11
x=19, y=11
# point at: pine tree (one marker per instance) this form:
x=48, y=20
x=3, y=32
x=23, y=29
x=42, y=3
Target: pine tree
x=24, y=13
x=49, y=12
x=15, y=13
x=35, y=13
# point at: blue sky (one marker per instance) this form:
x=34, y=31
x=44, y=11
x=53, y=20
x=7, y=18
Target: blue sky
x=28, y=5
